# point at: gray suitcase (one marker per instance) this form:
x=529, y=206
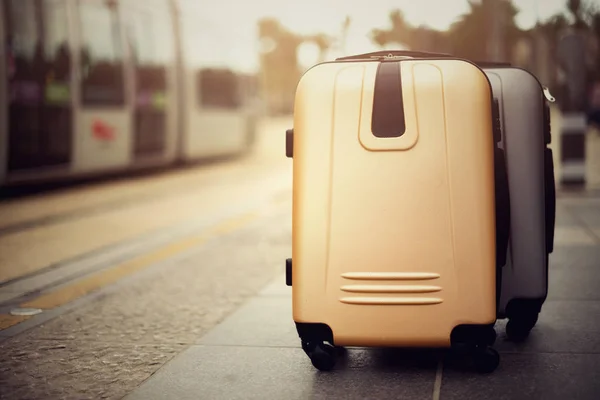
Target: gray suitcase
x=525, y=120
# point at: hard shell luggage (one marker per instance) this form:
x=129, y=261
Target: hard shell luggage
x=394, y=233
x=525, y=119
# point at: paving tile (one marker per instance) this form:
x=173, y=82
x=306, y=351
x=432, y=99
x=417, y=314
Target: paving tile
x=573, y=236
x=277, y=288
x=575, y=257
x=574, y=283
x=574, y=273
x=596, y=232
x=527, y=377
x=563, y=327
x=564, y=218
x=587, y=212
x=246, y=373
x=263, y=321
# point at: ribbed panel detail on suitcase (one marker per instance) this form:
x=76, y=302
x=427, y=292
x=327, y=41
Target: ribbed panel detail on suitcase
x=378, y=293
x=390, y=276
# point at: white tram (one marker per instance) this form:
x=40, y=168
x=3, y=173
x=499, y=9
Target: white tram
x=99, y=86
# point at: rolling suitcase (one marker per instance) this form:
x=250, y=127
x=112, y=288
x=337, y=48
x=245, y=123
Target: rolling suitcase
x=397, y=182
x=525, y=118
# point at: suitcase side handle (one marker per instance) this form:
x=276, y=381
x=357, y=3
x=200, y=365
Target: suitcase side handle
x=496, y=124
x=503, y=211
x=289, y=143
x=395, y=53
x=550, y=199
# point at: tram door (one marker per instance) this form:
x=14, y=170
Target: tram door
x=151, y=42
x=38, y=76
x=103, y=112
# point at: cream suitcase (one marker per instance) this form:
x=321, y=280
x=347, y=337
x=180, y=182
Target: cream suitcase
x=394, y=218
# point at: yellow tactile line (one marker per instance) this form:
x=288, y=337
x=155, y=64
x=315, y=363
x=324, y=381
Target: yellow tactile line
x=6, y=321
x=101, y=279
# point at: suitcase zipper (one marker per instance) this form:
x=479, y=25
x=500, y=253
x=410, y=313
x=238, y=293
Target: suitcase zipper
x=390, y=57
x=547, y=94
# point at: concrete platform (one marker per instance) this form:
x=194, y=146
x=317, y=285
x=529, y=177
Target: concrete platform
x=255, y=353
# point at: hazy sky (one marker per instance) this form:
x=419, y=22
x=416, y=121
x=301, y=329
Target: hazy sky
x=234, y=22
x=321, y=14
x=223, y=33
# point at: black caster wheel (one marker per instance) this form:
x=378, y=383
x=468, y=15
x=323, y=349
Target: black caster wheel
x=517, y=329
x=533, y=321
x=489, y=337
x=487, y=360
x=341, y=351
x=322, y=356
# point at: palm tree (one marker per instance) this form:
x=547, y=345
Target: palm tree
x=469, y=37
x=344, y=36
x=323, y=42
x=473, y=33
x=400, y=31
x=279, y=65
x=575, y=7
x=595, y=30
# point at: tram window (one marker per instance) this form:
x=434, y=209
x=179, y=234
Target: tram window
x=150, y=32
x=101, y=54
x=143, y=36
x=218, y=88
x=150, y=36
x=56, y=40
x=24, y=49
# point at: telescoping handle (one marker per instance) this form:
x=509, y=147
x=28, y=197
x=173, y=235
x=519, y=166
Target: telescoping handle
x=395, y=53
